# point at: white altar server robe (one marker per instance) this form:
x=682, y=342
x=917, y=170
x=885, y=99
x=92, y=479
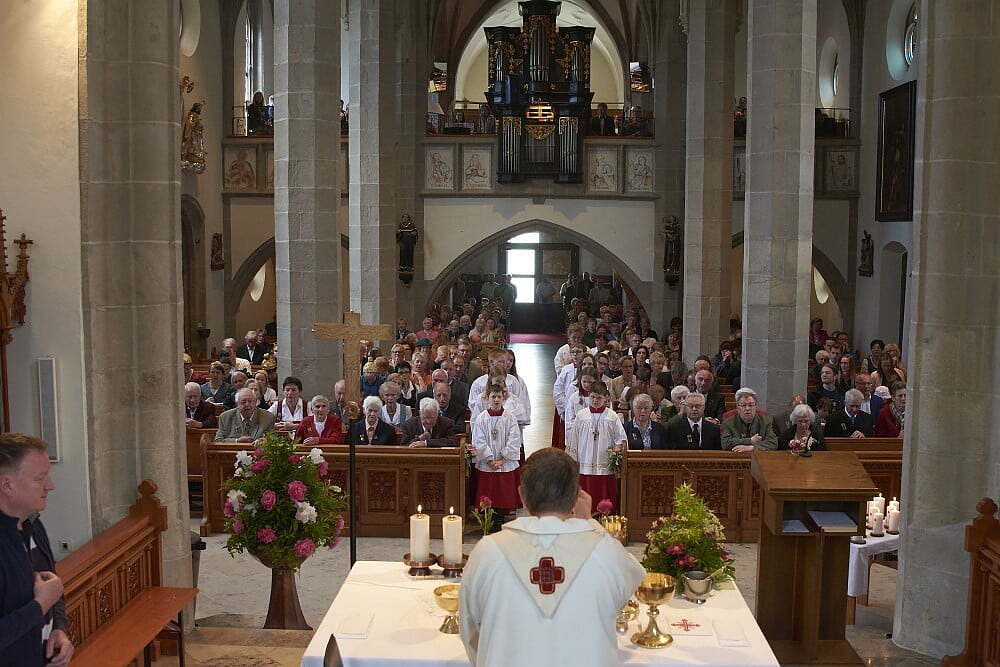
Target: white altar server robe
x=515, y=386
x=573, y=407
x=592, y=452
x=506, y=620
x=496, y=438
x=561, y=388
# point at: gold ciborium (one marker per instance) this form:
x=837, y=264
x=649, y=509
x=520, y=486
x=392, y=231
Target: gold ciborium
x=654, y=590
x=447, y=598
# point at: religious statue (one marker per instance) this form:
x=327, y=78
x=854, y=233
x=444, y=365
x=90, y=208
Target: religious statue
x=673, y=249
x=406, y=237
x=218, y=259
x=866, y=267
x=193, y=141
x=12, y=307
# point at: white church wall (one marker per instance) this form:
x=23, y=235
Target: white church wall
x=40, y=195
x=833, y=44
x=251, y=222
x=204, y=66
x=453, y=225
x=883, y=35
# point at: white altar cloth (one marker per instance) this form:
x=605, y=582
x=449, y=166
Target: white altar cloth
x=404, y=627
x=861, y=558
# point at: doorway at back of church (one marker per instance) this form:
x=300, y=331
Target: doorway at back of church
x=537, y=270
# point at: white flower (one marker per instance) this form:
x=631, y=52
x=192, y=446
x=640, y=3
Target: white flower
x=237, y=498
x=304, y=512
x=336, y=489
x=243, y=458
x=316, y=455
x=251, y=507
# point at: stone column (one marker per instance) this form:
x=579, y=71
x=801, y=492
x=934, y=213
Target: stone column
x=951, y=450
x=708, y=206
x=372, y=148
x=131, y=265
x=669, y=58
x=307, y=187
x=777, y=249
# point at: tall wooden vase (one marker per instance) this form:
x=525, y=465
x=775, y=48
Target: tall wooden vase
x=283, y=609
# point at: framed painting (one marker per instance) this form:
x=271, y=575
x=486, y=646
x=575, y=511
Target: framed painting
x=239, y=166
x=602, y=166
x=439, y=167
x=476, y=168
x=894, y=166
x=269, y=169
x=640, y=163
x=840, y=171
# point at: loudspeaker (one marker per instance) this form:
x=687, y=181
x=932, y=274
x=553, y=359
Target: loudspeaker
x=48, y=405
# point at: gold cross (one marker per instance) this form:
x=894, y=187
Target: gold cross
x=352, y=331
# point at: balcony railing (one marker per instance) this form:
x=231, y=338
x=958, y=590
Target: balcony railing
x=830, y=122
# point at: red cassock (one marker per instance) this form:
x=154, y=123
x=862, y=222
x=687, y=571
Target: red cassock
x=601, y=487
x=558, y=430
x=499, y=487
x=333, y=430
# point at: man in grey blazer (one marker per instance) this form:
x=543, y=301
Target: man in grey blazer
x=246, y=422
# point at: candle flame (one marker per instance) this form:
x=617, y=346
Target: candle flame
x=451, y=510
x=419, y=509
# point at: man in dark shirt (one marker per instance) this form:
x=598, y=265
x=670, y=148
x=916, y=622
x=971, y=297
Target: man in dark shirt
x=32, y=608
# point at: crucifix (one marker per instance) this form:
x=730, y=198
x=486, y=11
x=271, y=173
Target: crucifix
x=352, y=331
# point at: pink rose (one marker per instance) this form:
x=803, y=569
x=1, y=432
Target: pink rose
x=266, y=536
x=485, y=502
x=725, y=556
x=297, y=491
x=675, y=550
x=304, y=548
x=257, y=453
x=294, y=459
x=323, y=468
x=605, y=506
x=260, y=465
x=334, y=543
x=238, y=526
x=268, y=499
x=339, y=526
x=227, y=510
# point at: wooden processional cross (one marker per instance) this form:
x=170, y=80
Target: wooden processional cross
x=352, y=331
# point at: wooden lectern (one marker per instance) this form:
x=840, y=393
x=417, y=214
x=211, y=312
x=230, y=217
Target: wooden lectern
x=810, y=509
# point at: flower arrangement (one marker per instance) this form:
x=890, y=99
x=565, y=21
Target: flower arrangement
x=470, y=459
x=615, y=456
x=689, y=539
x=604, y=507
x=483, y=513
x=280, y=505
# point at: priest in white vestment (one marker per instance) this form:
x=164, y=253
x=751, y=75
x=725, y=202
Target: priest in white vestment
x=546, y=589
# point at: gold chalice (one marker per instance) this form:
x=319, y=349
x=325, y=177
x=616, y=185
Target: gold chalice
x=447, y=598
x=654, y=590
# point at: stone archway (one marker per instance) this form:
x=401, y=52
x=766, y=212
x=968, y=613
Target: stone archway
x=193, y=274
x=892, y=291
x=241, y=280
x=442, y=282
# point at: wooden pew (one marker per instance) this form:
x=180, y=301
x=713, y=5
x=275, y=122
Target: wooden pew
x=392, y=482
x=982, y=632
x=114, y=601
x=197, y=439
x=723, y=480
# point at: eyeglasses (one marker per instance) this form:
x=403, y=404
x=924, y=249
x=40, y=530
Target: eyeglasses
x=746, y=405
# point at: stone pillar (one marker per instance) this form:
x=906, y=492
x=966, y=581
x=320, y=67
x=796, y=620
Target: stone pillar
x=669, y=68
x=130, y=257
x=777, y=249
x=951, y=450
x=372, y=148
x=307, y=187
x=708, y=206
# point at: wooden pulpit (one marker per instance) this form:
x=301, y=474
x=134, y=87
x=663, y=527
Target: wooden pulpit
x=811, y=506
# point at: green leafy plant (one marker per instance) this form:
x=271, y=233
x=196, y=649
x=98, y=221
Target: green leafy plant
x=280, y=505
x=483, y=514
x=615, y=456
x=689, y=539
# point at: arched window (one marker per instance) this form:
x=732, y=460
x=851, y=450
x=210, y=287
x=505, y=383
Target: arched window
x=910, y=36
x=835, y=78
x=248, y=59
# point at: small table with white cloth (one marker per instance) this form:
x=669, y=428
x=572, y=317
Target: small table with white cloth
x=860, y=566
x=383, y=618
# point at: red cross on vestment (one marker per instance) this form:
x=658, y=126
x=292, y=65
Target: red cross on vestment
x=547, y=575
x=685, y=624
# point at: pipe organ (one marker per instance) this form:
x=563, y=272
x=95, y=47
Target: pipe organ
x=539, y=89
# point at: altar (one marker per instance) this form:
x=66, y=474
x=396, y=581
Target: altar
x=383, y=618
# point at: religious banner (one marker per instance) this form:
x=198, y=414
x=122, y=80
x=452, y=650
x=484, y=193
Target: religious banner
x=894, y=167
x=439, y=168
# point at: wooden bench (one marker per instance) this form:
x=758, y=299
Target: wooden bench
x=114, y=602
x=982, y=633
x=197, y=439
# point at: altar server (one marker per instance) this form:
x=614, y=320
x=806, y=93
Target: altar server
x=496, y=439
x=546, y=588
x=578, y=399
x=512, y=404
x=596, y=430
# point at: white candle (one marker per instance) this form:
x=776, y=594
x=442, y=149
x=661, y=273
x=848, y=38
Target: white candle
x=893, y=504
x=878, y=525
x=420, y=536
x=871, y=508
x=894, y=519
x=451, y=529
x=880, y=503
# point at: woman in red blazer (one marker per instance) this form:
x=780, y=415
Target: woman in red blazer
x=320, y=427
x=890, y=420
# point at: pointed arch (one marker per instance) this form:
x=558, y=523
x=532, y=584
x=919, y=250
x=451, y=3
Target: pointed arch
x=241, y=279
x=443, y=281
x=193, y=272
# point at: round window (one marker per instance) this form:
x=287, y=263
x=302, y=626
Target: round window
x=836, y=76
x=910, y=37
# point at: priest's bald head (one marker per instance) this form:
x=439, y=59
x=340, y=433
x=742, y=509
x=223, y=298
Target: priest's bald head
x=550, y=482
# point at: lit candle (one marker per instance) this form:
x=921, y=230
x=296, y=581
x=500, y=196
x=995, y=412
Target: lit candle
x=893, y=504
x=451, y=529
x=420, y=536
x=880, y=503
x=878, y=524
x=894, y=519
x=871, y=508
